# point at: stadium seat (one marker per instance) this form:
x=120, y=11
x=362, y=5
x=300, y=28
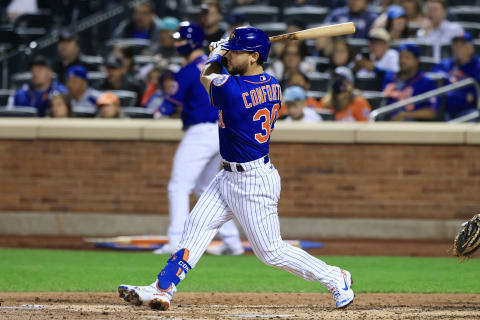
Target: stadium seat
x=306, y=14
x=326, y=114
x=8, y=38
x=321, y=63
x=368, y=83
x=438, y=78
x=192, y=13
x=426, y=50
x=319, y=81
x=258, y=13
x=18, y=79
x=138, y=112
x=138, y=45
x=272, y=28
x=375, y=98
x=93, y=62
x=452, y=3
x=127, y=98
x=357, y=44
x=472, y=27
x=33, y=25
x=18, y=112
x=5, y=94
x=95, y=78
x=80, y=112
x=315, y=94
x=427, y=63
x=465, y=13
x=142, y=60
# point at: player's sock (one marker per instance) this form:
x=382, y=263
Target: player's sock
x=175, y=270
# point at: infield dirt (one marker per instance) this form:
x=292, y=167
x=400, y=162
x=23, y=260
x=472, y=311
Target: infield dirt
x=64, y=305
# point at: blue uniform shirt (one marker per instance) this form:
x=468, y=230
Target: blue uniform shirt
x=395, y=89
x=457, y=103
x=363, y=20
x=248, y=107
x=190, y=96
x=40, y=100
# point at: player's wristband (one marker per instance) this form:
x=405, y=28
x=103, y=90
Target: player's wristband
x=216, y=58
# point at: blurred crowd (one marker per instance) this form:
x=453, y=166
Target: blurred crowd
x=401, y=49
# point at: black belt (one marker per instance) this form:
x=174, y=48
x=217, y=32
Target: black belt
x=226, y=165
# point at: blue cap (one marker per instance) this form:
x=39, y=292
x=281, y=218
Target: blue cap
x=395, y=11
x=465, y=36
x=294, y=93
x=168, y=23
x=413, y=48
x=77, y=71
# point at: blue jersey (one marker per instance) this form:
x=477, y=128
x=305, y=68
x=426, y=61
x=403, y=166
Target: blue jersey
x=27, y=96
x=248, y=108
x=190, y=96
x=395, y=89
x=461, y=101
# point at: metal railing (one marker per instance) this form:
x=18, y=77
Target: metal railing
x=425, y=96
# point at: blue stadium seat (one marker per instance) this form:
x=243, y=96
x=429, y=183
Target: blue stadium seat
x=465, y=13
x=319, y=81
x=272, y=28
x=306, y=14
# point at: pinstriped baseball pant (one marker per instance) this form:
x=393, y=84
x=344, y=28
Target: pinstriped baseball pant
x=252, y=197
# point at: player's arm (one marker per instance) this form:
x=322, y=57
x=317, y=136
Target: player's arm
x=213, y=66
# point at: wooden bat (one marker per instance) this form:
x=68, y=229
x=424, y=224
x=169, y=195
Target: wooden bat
x=333, y=30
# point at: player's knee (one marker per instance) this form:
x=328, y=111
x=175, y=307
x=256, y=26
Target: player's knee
x=175, y=270
x=271, y=258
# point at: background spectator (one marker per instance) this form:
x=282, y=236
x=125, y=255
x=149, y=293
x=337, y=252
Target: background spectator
x=210, y=19
x=343, y=54
x=295, y=100
x=142, y=25
x=82, y=97
x=414, y=11
x=69, y=53
x=464, y=64
x=409, y=82
x=167, y=86
x=380, y=55
x=60, y=106
x=437, y=29
x=356, y=11
x=117, y=79
x=127, y=54
x=301, y=80
x=37, y=93
x=165, y=46
x=108, y=106
x=397, y=22
x=343, y=101
x=292, y=61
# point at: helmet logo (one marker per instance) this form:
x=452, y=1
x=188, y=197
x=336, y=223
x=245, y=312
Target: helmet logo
x=232, y=34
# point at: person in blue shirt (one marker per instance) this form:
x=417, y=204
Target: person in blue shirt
x=406, y=83
x=197, y=159
x=40, y=89
x=464, y=64
x=143, y=24
x=247, y=100
x=356, y=11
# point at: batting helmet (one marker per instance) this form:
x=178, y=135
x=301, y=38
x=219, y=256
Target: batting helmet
x=192, y=33
x=249, y=39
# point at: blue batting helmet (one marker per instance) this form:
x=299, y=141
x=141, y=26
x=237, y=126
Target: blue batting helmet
x=190, y=32
x=249, y=39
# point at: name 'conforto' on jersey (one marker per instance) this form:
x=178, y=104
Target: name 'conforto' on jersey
x=262, y=94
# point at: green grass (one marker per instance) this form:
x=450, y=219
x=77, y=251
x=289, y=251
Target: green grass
x=61, y=270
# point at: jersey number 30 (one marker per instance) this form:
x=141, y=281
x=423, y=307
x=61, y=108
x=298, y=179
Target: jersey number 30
x=267, y=123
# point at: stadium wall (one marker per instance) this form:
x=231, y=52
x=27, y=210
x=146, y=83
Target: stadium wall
x=358, y=180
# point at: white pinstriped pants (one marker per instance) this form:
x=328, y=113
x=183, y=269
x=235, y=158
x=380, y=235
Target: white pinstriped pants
x=252, y=197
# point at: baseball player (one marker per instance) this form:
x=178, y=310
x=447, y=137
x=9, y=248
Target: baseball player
x=247, y=100
x=197, y=159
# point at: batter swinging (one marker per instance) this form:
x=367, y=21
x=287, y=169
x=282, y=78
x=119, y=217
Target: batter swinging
x=248, y=187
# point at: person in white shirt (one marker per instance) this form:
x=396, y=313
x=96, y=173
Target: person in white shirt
x=438, y=30
x=82, y=97
x=381, y=56
x=295, y=99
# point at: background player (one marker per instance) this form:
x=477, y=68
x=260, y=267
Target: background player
x=197, y=159
x=248, y=188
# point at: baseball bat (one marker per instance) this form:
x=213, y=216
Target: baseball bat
x=333, y=30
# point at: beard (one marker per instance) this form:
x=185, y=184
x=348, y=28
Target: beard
x=236, y=70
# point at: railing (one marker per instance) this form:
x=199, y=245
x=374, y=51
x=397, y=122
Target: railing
x=425, y=96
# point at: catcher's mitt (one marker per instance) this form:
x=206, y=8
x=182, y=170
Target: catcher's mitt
x=467, y=240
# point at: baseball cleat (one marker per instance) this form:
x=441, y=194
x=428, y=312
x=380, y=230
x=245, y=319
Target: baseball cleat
x=222, y=249
x=150, y=295
x=342, y=292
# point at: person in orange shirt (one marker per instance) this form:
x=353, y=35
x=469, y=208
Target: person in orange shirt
x=343, y=100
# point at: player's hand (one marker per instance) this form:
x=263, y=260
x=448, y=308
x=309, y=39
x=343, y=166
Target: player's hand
x=217, y=46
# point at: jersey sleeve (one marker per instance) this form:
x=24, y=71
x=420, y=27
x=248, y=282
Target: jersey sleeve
x=172, y=102
x=220, y=90
x=427, y=86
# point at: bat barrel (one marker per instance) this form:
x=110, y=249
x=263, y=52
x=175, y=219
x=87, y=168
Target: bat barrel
x=333, y=30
